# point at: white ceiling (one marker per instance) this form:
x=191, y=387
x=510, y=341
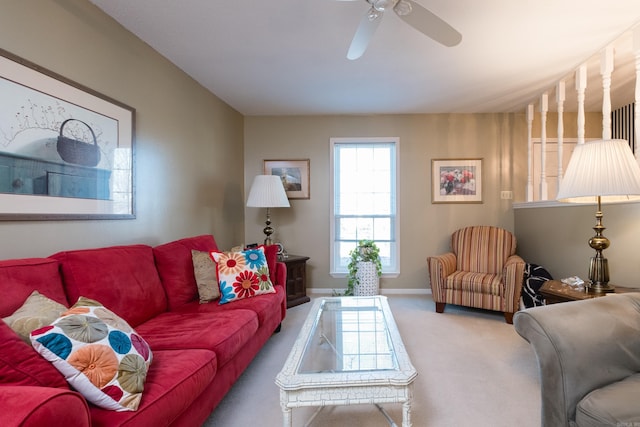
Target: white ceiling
x=288, y=57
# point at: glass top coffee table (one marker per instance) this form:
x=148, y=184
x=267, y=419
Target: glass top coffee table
x=348, y=352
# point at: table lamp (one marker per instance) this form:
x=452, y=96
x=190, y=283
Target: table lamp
x=602, y=171
x=268, y=192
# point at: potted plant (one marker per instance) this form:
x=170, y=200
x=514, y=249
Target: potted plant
x=364, y=267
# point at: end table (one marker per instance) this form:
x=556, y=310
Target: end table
x=554, y=291
x=296, y=279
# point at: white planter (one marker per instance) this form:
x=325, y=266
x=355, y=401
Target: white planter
x=369, y=282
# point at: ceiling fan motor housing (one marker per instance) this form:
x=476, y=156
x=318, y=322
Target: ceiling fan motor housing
x=381, y=5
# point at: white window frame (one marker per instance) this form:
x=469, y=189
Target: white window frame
x=395, y=249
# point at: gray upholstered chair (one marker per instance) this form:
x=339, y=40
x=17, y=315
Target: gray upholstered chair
x=589, y=357
x=482, y=271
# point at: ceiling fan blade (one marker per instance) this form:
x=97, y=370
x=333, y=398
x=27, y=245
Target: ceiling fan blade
x=427, y=23
x=363, y=34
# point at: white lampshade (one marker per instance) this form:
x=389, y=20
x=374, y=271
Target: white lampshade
x=605, y=168
x=267, y=191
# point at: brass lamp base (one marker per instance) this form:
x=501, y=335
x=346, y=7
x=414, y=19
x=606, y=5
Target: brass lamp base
x=599, y=275
x=268, y=230
x=599, y=266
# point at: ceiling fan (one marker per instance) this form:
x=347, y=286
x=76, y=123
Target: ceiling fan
x=410, y=12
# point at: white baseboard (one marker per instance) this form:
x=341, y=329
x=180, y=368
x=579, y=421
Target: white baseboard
x=382, y=291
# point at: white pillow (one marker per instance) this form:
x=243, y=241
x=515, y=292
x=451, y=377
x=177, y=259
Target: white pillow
x=98, y=353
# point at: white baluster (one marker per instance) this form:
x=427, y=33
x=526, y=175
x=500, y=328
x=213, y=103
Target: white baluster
x=560, y=97
x=636, y=121
x=606, y=68
x=529, y=153
x=544, y=107
x=581, y=86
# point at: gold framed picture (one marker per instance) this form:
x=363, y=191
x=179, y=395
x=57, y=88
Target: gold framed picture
x=294, y=175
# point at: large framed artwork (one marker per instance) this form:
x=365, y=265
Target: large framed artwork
x=456, y=180
x=66, y=151
x=294, y=175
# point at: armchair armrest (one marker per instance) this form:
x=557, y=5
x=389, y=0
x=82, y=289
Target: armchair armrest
x=28, y=406
x=513, y=274
x=581, y=346
x=440, y=266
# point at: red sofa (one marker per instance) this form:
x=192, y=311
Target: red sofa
x=199, y=350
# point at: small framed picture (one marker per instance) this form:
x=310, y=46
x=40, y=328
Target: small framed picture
x=294, y=175
x=456, y=180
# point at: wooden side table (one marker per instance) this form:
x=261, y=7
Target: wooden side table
x=296, y=279
x=554, y=291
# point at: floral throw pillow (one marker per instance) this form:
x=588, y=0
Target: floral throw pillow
x=98, y=353
x=242, y=274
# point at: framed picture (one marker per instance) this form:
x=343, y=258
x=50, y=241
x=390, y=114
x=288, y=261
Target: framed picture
x=456, y=180
x=66, y=151
x=294, y=175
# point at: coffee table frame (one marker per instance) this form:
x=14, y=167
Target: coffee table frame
x=346, y=388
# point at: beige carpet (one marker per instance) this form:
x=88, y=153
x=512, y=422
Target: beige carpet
x=473, y=370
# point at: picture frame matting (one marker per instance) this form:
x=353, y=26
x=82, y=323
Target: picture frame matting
x=66, y=151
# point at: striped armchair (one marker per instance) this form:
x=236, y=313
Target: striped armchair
x=481, y=271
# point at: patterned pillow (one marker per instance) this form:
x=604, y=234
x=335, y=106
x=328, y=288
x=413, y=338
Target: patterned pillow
x=204, y=270
x=99, y=354
x=242, y=274
x=36, y=312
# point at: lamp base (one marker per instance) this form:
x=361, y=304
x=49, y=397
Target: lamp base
x=599, y=266
x=600, y=289
x=268, y=230
x=599, y=275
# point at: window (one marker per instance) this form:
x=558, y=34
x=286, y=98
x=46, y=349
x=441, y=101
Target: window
x=364, y=199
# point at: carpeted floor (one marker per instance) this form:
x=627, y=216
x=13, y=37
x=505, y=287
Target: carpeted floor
x=473, y=370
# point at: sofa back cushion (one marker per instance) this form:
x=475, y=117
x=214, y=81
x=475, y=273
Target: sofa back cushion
x=175, y=267
x=20, y=277
x=123, y=278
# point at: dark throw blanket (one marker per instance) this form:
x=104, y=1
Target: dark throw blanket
x=534, y=277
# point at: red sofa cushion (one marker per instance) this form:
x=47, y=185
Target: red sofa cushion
x=175, y=379
x=20, y=277
x=21, y=365
x=226, y=333
x=175, y=267
x=267, y=306
x=123, y=278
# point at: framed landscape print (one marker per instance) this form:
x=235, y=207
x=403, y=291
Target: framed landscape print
x=294, y=175
x=66, y=151
x=456, y=180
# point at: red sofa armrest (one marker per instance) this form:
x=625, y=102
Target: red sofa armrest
x=281, y=274
x=42, y=406
x=281, y=280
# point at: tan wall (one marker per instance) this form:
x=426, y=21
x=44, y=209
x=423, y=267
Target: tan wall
x=500, y=139
x=189, y=151
x=557, y=238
